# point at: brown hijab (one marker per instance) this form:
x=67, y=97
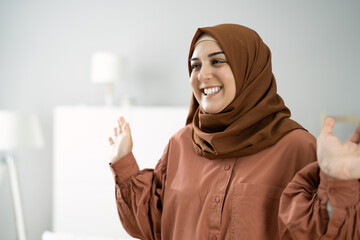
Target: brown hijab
x=257, y=117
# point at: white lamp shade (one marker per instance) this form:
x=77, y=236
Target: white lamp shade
x=105, y=67
x=19, y=131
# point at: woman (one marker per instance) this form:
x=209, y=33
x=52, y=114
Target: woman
x=229, y=173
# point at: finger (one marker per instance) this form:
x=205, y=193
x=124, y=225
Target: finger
x=116, y=132
x=111, y=141
x=120, y=124
x=328, y=127
x=127, y=128
x=121, y=119
x=355, y=137
x=123, y=125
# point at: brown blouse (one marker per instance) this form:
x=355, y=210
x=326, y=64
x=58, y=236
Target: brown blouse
x=188, y=196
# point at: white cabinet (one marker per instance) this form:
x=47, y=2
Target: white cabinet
x=84, y=195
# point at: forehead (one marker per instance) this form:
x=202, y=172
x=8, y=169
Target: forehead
x=204, y=48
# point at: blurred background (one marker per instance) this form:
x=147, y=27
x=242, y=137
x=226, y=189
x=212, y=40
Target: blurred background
x=45, y=59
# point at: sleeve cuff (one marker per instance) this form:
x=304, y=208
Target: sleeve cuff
x=124, y=168
x=341, y=193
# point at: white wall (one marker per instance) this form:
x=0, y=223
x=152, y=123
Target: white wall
x=45, y=49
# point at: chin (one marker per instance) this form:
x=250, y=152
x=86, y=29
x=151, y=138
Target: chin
x=213, y=105
x=212, y=110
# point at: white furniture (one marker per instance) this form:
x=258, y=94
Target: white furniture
x=84, y=194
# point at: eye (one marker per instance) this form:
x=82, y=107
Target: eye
x=195, y=66
x=217, y=61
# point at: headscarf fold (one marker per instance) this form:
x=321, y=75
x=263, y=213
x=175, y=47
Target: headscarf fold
x=257, y=117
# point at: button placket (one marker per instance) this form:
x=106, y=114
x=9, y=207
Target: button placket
x=219, y=197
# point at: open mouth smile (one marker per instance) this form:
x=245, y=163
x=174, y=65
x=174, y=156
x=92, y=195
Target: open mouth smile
x=211, y=90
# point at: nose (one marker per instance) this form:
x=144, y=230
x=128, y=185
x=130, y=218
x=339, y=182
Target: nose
x=205, y=73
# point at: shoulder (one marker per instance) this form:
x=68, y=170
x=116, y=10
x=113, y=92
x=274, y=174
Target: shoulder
x=298, y=139
x=298, y=145
x=299, y=135
x=184, y=133
x=175, y=146
x=293, y=152
x=181, y=141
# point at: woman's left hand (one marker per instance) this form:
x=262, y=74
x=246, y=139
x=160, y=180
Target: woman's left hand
x=336, y=159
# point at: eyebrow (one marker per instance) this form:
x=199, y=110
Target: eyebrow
x=210, y=55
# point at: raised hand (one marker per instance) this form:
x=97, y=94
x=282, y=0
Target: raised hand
x=121, y=142
x=336, y=159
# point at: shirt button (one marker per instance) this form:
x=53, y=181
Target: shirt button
x=217, y=199
x=214, y=238
x=226, y=167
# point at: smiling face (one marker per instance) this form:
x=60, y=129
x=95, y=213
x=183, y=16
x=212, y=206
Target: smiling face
x=212, y=81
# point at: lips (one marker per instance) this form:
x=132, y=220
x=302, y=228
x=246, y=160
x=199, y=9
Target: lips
x=211, y=90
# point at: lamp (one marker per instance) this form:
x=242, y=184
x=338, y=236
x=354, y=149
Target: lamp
x=17, y=131
x=106, y=69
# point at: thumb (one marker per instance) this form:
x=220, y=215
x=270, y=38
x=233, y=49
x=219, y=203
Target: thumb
x=327, y=129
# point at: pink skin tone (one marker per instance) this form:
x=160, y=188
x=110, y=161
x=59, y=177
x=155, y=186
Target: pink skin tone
x=121, y=142
x=336, y=159
x=210, y=70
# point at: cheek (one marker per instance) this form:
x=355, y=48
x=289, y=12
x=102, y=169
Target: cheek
x=233, y=90
x=231, y=87
x=195, y=88
x=193, y=83
x=232, y=95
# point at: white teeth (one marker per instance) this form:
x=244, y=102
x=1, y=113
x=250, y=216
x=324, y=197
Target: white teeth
x=210, y=91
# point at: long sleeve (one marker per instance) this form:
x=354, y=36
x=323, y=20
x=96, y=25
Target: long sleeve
x=139, y=196
x=303, y=213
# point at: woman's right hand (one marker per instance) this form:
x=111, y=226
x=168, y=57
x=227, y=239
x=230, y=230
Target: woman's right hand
x=121, y=142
